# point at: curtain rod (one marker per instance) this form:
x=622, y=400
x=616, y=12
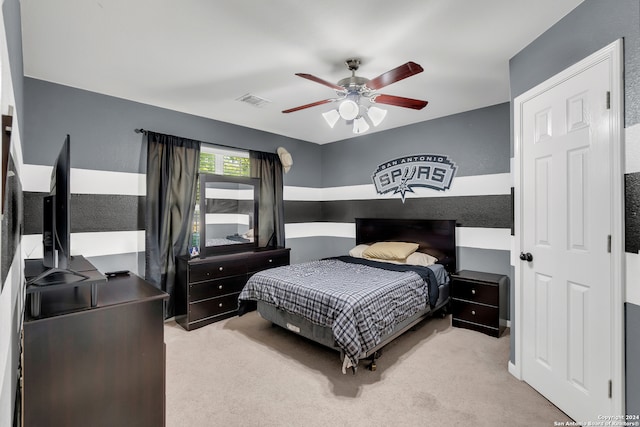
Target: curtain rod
x=145, y=131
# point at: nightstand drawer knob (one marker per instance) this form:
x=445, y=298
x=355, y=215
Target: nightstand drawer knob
x=221, y=269
x=270, y=260
x=220, y=305
x=473, y=291
x=219, y=286
x=473, y=312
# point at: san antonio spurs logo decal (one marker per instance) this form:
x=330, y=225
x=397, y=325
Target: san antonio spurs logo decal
x=403, y=174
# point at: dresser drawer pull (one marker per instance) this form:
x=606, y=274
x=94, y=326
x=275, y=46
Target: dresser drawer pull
x=220, y=305
x=473, y=312
x=270, y=260
x=221, y=269
x=219, y=286
x=473, y=291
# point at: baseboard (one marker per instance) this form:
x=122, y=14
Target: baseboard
x=513, y=370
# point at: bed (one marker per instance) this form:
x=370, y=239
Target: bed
x=356, y=304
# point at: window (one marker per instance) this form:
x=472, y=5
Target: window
x=220, y=161
x=223, y=161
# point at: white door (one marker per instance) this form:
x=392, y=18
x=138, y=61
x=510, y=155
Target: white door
x=565, y=224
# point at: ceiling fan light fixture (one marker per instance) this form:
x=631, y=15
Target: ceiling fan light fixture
x=332, y=117
x=348, y=109
x=360, y=125
x=376, y=115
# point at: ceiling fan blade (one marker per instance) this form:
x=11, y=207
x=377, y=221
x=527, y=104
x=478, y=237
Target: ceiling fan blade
x=322, y=82
x=399, y=101
x=313, y=104
x=402, y=72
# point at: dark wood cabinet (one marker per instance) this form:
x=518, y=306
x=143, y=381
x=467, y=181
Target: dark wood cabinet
x=207, y=289
x=96, y=366
x=479, y=301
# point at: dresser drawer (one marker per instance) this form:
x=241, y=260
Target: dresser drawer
x=476, y=313
x=475, y=292
x=213, y=307
x=268, y=260
x=216, y=288
x=215, y=270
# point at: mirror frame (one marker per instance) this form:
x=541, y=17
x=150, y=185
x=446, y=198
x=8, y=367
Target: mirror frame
x=236, y=247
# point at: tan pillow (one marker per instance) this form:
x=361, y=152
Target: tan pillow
x=358, y=250
x=420, y=258
x=398, y=251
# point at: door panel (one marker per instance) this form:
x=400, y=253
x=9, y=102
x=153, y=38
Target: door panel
x=566, y=219
x=543, y=320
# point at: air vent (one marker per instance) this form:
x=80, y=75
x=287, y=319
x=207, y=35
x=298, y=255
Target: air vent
x=254, y=100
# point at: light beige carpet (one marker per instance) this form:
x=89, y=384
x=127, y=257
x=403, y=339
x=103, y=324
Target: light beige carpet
x=245, y=372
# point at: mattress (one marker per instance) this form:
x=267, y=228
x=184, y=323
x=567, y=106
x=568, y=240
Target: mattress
x=324, y=335
x=360, y=301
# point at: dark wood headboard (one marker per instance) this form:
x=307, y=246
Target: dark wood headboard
x=435, y=236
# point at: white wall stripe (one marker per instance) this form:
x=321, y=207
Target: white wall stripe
x=91, y=244
x=319, y=229
x=484, y=238
x=119, y=242
x=633, y=273
x=632, y=149
x=307, y=194
x=471, y=237
x=479, y=185
x=227, y=219
x=36, y=178
x=86, y=181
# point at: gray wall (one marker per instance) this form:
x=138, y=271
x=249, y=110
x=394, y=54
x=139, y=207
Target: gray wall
x=478, y=141
x=103, y=139
x=588, y=28
x=13, y=32
x=11, y=286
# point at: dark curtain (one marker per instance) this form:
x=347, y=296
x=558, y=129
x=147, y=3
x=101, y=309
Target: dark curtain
x=268, y=168
x=172, y=171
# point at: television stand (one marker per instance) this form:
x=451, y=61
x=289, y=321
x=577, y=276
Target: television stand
x=42, y=276
x=42, y=279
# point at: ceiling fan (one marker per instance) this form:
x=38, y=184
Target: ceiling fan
x=352, y=90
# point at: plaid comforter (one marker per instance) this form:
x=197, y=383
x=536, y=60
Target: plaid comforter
x=359, y=302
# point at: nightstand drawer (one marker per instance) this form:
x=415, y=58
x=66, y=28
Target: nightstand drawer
x=216, y=288
x=214, y=270
x=213, y=307
x=475, y=292
x=476, y=313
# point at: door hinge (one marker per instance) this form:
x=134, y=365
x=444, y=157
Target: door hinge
x=609, y=243
x=608, y=100
x=610, y=389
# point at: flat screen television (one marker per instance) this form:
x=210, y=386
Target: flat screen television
x=56, y=226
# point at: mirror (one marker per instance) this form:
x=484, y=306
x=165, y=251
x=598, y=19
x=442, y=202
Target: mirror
x=228, y=213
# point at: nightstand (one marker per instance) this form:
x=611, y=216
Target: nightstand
x=479, y=301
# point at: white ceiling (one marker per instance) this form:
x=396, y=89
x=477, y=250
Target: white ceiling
x=199, y=56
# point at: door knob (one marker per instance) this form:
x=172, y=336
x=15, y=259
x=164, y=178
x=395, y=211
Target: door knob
x=526, y=256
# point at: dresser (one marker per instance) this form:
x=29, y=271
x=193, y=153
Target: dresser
x=100, y=365
x=207, y=289
x=479, y=301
